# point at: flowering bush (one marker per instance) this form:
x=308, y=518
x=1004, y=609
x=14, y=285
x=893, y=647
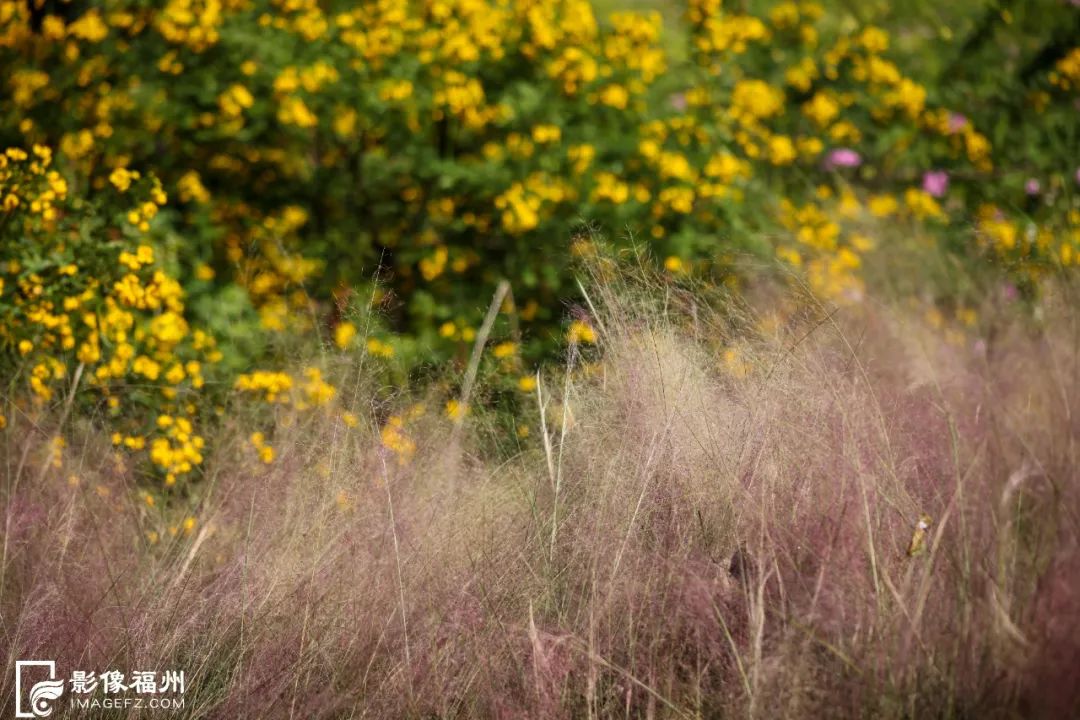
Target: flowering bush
x=91, y=317
x=446, y=144
x=85, y=305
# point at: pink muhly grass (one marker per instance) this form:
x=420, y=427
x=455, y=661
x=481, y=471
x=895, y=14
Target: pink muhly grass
x=691, y=541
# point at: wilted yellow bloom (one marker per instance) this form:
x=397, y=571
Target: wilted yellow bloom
x=917, y=546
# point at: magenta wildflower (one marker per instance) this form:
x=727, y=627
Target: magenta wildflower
x=842, y=157
x=956, y=122
x=935, y=182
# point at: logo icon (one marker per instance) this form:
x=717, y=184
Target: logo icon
x=42, y=694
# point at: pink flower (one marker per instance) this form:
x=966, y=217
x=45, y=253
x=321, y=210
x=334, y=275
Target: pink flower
x=935, y=182
x=1032, y=186
x=956, y=122
x=842, y=157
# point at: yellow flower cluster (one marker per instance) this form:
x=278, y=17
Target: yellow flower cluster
x=177, y=450
x=191, y=23
x=26, y=180
x=273, y=386
x=394, y=435
x=316, y=391
x=581, y=332
x=1016, y=239
x=282, y=388
x=829, y=257
x=1066, y=72
x=99, y=313
x=265, y=450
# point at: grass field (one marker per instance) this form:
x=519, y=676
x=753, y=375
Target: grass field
x=687, y=534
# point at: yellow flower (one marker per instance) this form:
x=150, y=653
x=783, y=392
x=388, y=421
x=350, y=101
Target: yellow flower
x=432, y=267
x=345, y=122
x=293, y=111
x=526, y=383
x=546, y=134
x=455, y=410
x=789, y=255
x=781, y=150
x=755, y=99
x=121, y=178
x=726, y=167
x=504, y=350
x=344, y=334
x=316, y=390
x=580, y=332
x=378, y=348
x=89, y=27
x=882, y=205
x=192, y=190
x=615, y=96
x=874, y=40
x=821, y=108
x=235, y=100
x=922, y=204
x=861, y=243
